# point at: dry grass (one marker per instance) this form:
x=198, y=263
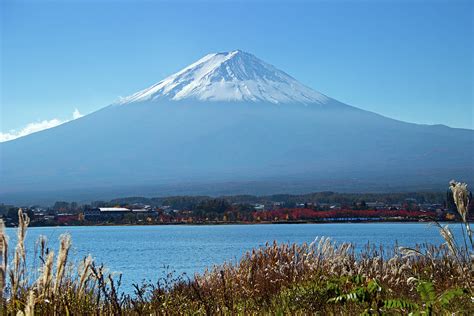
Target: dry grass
x=59, y=289
x=3, y=258
x=262, y=274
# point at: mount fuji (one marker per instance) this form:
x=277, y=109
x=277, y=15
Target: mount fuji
x=230, y=124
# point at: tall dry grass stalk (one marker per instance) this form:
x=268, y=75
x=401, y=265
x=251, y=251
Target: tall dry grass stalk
x=461, y=199
x=18, y=270
x=3, y=259
x=84, y=273
x=30, y=304
x=43, y=284
x=65, y=244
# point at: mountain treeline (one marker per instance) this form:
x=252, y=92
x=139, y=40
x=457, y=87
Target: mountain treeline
x=190, y=202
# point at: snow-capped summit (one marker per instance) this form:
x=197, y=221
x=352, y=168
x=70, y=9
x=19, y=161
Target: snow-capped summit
x=230, y=76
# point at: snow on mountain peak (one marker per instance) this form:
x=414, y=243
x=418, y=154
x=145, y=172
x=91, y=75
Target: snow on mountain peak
x=230, y=76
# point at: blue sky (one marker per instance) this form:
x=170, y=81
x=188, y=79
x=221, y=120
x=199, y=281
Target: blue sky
x=410, y=60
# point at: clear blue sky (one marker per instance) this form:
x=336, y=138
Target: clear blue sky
x=410, y=60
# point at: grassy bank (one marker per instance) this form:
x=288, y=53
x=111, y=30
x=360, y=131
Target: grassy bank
x=322, y=277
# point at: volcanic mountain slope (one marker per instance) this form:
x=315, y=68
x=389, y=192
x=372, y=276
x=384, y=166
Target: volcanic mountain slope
x=231, y=123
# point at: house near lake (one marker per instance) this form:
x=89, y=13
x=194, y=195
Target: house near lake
x=104, y=213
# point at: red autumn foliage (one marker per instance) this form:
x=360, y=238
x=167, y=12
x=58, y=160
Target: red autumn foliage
x=309, y=214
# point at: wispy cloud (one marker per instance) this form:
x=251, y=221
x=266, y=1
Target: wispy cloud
x=36, y=127
x=76, y=114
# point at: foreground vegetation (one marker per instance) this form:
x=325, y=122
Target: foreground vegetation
x=322, y=277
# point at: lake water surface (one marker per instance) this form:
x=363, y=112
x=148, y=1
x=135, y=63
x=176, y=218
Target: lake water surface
x=141, y=252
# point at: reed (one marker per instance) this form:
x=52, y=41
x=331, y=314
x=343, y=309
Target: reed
x=3, y=263
x=461, y=199
x=65, y=244
x=18, y=270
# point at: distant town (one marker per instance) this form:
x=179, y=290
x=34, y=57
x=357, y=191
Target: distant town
x=244, y=209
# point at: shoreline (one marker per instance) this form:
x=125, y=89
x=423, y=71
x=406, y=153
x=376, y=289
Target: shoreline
x=248, y=223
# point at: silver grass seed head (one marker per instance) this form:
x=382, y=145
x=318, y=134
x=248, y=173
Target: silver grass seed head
x=461, y=197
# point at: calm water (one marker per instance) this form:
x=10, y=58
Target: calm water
x=141, y=252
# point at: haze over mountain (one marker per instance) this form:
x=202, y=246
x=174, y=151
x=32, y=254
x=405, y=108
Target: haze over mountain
x=230, y=124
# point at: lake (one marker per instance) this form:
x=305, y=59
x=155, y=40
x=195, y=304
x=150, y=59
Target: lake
x=142, y=252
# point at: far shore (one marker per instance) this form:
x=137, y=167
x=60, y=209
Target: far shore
x=244, y=223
